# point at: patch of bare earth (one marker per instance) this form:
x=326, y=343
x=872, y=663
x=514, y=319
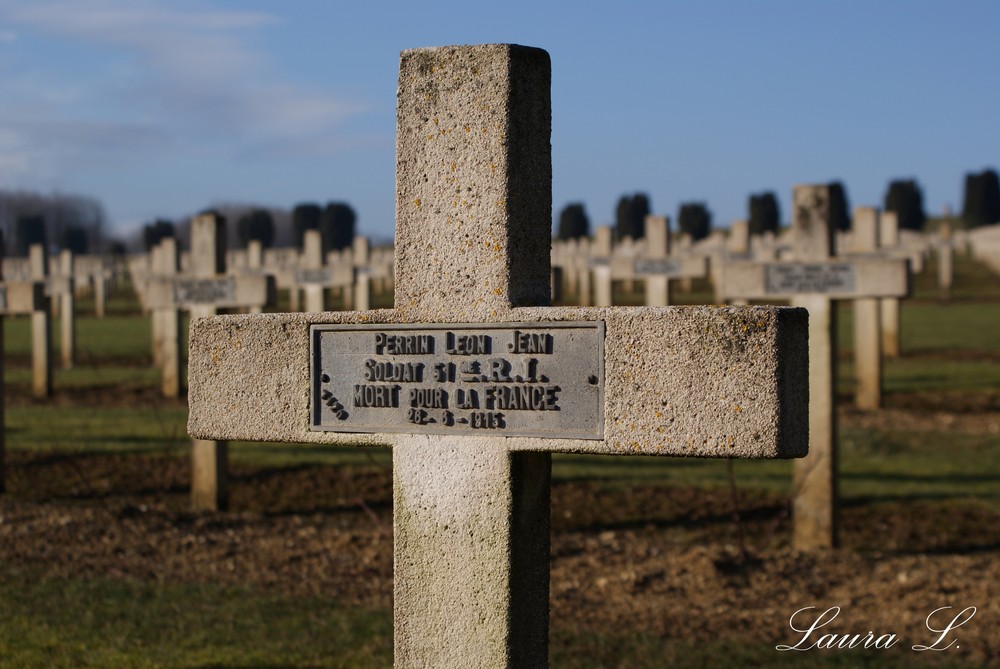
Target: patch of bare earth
x=665, y=561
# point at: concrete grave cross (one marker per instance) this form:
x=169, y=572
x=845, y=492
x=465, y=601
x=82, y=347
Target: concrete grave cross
x=658, y=268
x=166, y=320
x=813, y=281
x=16, y=298
x=203, y=291
x=654, y=265
x=888, y=237
x=738, y=243
x=206, y=289
x=255, y=265
x=41, y=327
x=867, y=318
x=61, y=290
x=473, y=383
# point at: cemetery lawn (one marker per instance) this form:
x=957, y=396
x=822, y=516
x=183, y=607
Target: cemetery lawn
x=656, y=562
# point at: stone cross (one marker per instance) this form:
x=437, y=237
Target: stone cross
x=600, y=266
x=255, y=264
x=361, y=297
x=210, y=457
x=100, y=282
x=813, y=282
x=658, y=268
x=654, y=265
x=311, y=276
x=867, y=321
x=946, y=256
x=19, y=297
x=347, y=270
x=473, y=382
x=41, y=328
x=61, y=289
x=888, y=233
x=202, y=292
x=738, y=243
x=166, y=320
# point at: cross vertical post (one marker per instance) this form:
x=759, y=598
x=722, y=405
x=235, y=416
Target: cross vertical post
x=67, y=308
x=312, y=259
x=888, y=223
x=658, y=248
x=209, y=457
x=867, y=324
x=482, y=531
x=945, y=257
x=816, y=475
x=167, y=322
x=255, y=261
x=41, y=329
x=3, y=416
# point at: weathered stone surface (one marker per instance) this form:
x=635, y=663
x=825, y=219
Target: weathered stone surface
x=679, y=380
x=470, y=514
x=466, y=169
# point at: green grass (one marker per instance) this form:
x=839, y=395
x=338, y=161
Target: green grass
x=56, y=623
x=933, y=328
x=123, y=623
x=114, y=337
x=263, y=454
x=874, y=466
x=110, y=430
x=888, y=465
x=961, y=326
x=86, y=376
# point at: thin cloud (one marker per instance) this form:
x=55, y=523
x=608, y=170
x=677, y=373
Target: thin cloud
x=185, y=71
x=42, y=149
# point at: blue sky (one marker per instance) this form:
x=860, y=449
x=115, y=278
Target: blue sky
x=161, y=108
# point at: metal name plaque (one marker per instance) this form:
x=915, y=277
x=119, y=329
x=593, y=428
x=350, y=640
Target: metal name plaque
x=509, y=379
x=806, y=278
x=205, y=291
x=656, y=266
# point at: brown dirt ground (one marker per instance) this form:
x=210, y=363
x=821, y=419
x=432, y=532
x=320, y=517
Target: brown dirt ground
x=665, y=561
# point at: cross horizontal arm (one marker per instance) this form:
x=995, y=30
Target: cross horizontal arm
x=693, y=381
x=222, y=292
x=834, y=279
x=22, y=297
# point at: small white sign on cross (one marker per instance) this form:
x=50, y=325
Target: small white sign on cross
x=473, y=382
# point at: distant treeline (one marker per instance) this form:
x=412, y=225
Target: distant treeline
x=273, y=227
x=903, y=196
x=58, y=221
